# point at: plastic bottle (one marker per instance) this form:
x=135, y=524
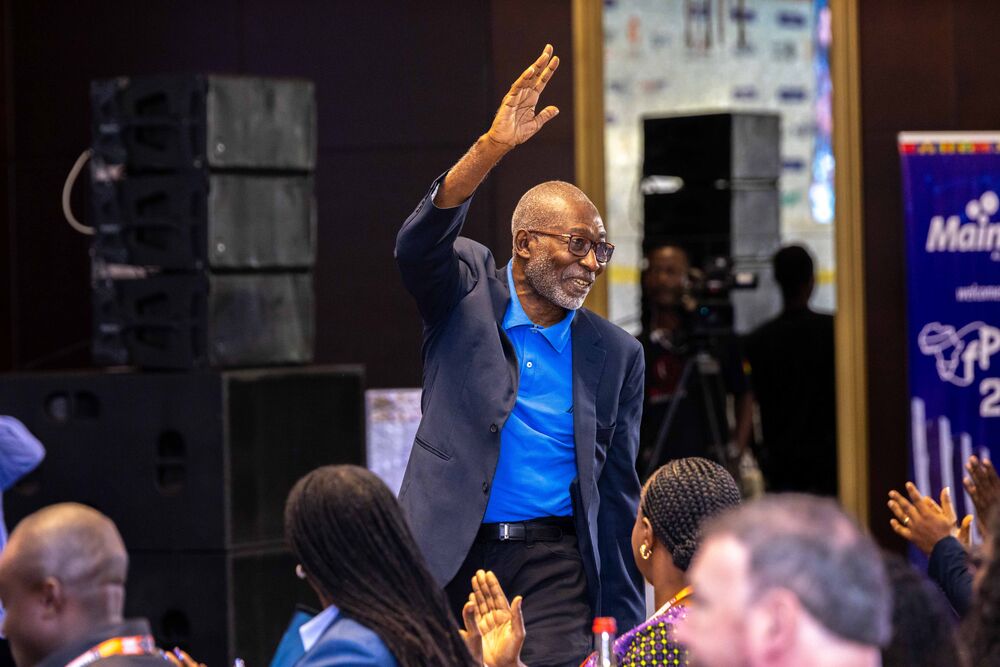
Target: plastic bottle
x=604, y=641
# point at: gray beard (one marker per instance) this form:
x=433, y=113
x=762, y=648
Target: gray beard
x=543, y=276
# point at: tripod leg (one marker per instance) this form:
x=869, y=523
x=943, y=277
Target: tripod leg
x=668, y=419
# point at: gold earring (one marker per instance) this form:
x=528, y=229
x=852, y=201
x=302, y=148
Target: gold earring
x=300, y=572
x=645, y=551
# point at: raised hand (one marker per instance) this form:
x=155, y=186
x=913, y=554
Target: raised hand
x=516, y=120
x=501, y=624
x=921, y=520
x=983, y=487
x=470, y=635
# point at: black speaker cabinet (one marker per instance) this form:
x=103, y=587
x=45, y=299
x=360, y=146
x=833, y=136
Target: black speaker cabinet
x=194, y=220
x=196, y=320
x=217, y=606
x=185, y=461
x=705, y=148
x=173, y=122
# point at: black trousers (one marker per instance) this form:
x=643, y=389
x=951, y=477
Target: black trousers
x=550, y=577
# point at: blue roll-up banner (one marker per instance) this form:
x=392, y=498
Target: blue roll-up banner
x=951, y=187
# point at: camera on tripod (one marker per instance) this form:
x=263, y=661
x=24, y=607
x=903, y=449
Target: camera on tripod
x=710, y=314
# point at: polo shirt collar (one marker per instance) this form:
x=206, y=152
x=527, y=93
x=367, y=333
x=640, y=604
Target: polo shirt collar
x=557, y=334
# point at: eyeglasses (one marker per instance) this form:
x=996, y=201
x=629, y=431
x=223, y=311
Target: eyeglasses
x=581, y=245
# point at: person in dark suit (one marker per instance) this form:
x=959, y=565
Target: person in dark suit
x=524, y=460
x=792, y=372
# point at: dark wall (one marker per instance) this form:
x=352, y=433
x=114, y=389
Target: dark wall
x=402, y=90
x=925, y=65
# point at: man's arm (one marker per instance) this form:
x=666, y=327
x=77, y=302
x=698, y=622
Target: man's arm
x=514, y=123
x=425, y=244
x=621, y=583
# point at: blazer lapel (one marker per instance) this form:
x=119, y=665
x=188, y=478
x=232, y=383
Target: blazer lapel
x=500, y=294
x=588, y=364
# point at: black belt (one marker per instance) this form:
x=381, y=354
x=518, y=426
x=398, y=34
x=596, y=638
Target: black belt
x=543, y=530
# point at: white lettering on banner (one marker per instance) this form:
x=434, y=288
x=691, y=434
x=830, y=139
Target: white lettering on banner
x=959, y=353
x=977, y=235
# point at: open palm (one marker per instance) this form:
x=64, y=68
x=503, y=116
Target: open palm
x=500, y=624
x=516, y=120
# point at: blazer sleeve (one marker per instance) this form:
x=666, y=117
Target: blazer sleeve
x=425, y=253
x=621, y=584
x=948, y=568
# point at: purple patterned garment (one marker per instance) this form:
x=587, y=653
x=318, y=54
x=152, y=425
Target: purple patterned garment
x=651, y=643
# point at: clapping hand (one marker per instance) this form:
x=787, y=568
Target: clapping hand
x=921, y=520
x=500, y=624
x=983, y=487
x=516, y=120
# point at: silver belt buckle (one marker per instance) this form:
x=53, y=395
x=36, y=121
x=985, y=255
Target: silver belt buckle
x=504, y=532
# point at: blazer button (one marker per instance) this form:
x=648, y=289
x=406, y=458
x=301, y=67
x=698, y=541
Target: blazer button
x=493, y=429
x=486, y=487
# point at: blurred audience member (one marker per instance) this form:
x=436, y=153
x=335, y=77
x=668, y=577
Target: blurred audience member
x=923, y=627
x=62, y=581
x=788, y=580
x=675, y=502
x=671, y=341
x=20, y=453
x=792, y=374
x=381, y=605
x=980, y=632
x=932, y=528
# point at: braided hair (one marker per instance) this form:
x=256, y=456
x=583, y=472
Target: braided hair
x=679, y=497
x=348, y=532
x=981, y=628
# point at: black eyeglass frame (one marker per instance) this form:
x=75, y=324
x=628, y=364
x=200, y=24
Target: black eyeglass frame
x=609, y=248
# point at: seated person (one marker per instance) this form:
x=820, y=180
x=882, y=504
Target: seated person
x=785, y=581
x=381, y=606
x=62, y=582
x=922, y=624
x=674, y=503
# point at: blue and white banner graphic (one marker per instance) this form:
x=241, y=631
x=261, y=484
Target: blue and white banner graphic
x=951, y=186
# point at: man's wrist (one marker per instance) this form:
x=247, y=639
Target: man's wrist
x=492, y=148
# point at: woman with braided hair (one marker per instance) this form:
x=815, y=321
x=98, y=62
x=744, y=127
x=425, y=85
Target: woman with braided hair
x=675, y=502
x=381, y=606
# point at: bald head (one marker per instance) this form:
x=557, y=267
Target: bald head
x=71, y=542
x=548, y=204
x=62, y=574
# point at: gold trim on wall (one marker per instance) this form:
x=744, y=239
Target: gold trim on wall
x=588, y=129
x=852, y=377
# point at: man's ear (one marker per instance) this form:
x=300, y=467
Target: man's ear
x=773, y=625
x=52, y=597
x=521, y=241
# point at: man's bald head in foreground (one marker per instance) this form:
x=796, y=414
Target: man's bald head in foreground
x=62, y=574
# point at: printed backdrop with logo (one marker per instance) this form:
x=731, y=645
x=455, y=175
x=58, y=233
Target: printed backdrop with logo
x=951, y=186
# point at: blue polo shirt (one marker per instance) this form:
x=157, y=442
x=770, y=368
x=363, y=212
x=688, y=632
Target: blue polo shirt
x=537, y=453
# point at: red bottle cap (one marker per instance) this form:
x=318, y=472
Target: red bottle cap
x=605, y=624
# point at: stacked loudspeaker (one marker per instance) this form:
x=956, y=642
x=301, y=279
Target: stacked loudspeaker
x=205, y=219
x=710, y=185
x=205, y=226
x=194, y=469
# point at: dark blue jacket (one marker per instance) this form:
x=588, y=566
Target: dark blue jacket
x=469, y=389
x=949, y=568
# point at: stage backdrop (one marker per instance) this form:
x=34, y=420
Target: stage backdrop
x=951, y=185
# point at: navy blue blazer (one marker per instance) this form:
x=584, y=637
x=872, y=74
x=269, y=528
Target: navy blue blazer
x=469, y=388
